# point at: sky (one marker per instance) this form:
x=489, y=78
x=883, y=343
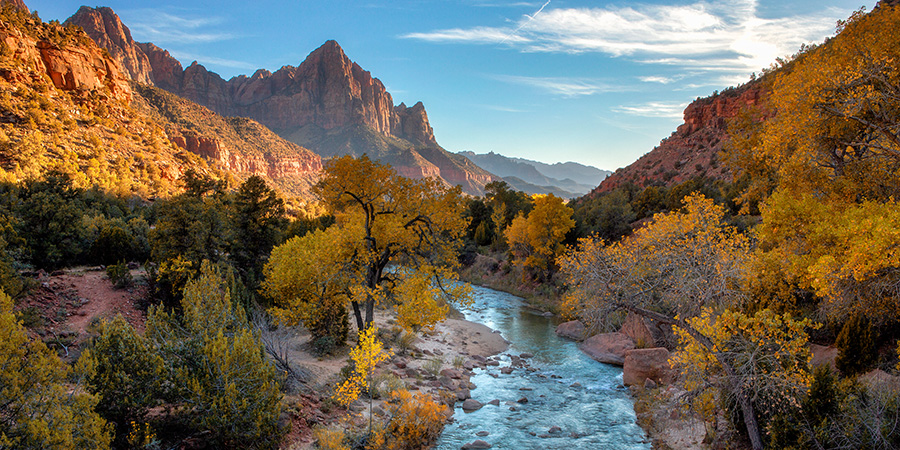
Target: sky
x=596, y=82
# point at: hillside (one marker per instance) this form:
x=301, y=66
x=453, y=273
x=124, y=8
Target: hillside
x=328, y=103
x=693, y=150
x=69, y=106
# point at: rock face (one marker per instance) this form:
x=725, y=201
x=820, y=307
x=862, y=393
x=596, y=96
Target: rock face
x=609, y=348
x=693, y=149
x=647, y=364
x=108, y=32
x=75, y=67
x=328, y=103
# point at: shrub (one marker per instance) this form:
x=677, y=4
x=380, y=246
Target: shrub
x=119, y=274
x=434, y=365
x=128, y=374
x=416, y=423
x=856, y=346
x=330, y=438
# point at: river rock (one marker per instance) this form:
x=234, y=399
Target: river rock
x=526, y=355
x=463, y=394
x=574, y=330
x=647, y=363
x=554, y=430
x=452, y=373
x=471, y=405
x=494, y=402
x=482, y=433
x=642, y=331
x=609, y=348
x=478, y=444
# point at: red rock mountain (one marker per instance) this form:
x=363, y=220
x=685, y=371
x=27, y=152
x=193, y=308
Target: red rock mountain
x=328, y=103
x=95, y=100
x=77, y=68
x=693, y=149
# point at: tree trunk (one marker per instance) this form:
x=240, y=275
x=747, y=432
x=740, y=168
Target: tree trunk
x=370, y=312
x=749, y=414
x=358, y=314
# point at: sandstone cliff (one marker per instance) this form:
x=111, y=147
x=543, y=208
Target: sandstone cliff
x=328, y=103
x=693, y=149
x=72, y=63
x=109, y=33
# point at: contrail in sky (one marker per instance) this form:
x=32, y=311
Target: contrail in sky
x=530, y=18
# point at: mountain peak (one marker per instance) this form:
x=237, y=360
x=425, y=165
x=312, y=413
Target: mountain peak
x=104, y=26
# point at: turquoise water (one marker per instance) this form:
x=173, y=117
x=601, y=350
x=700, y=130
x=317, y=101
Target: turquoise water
x=568, y=390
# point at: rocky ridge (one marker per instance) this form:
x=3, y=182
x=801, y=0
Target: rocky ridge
x=328, y=103
x=694, y=148
x=65, y=98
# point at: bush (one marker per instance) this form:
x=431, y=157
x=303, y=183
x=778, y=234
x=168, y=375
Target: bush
x=856, y=346
x=119, y=275
x=128, y=375
x=416, y=423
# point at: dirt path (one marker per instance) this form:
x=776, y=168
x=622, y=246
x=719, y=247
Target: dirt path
x=66, y=303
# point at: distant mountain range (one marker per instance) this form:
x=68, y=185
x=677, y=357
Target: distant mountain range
x=568, y=179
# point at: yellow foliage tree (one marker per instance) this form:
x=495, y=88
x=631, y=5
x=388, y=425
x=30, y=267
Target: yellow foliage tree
x=382, y=220
x=536, y=240
x=366, y=356
x=831, y=158
x=38, y=410
x=762, y=357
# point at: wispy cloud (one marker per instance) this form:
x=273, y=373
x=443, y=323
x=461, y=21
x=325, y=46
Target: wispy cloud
x=212, y=60
x=566, y=87
x=672, y=110
x=163, y=28
x=657, y=79
x=714, y=35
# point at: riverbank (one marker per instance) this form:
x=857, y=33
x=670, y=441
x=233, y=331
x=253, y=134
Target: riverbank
x=439, y=362
x=495, y=272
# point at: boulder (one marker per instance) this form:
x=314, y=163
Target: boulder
x=608, y=348
x=647, y=363
x=822, y=355
x=573, y=329
x=478, y=444
x=642, y=331
x=470, y=404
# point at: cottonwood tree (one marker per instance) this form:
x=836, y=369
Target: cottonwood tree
x=830, y=156
x=684, y=269
x=389, y=230
x=536, y=240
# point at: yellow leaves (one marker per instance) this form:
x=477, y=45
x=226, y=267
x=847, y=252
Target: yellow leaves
x=843, y=252
x=680, y=262
x=419, y=307
x=416, y=422
x=367, y=354
x=766, y=352
x=537, y=239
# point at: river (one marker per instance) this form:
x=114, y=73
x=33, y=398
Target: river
x=568, y=390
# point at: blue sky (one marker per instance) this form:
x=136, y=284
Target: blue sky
x=597, y=82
